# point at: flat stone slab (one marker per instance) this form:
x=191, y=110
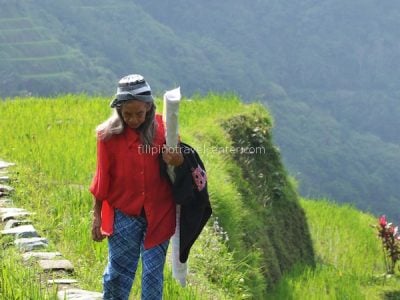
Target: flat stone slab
x=29, y=244
x=4, y=210
x=40, y=255
x=24, y=231
x=6, y=188
x=62, y=281
x=61, y=264
x=77, y=294
x=14, y=223
x=25, y=235
x=4, y=164
x=14, y=215
x=4, y=179
x=5, y=202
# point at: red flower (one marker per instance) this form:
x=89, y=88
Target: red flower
x=382, y=221
x=390, y=237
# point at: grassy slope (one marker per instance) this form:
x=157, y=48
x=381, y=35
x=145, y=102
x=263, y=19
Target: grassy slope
x=350, y=261
x=35, y=59
x=52, y=141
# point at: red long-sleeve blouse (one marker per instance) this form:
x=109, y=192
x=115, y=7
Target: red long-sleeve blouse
x=128, y=177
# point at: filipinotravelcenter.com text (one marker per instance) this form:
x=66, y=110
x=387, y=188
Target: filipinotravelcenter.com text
x=149, y=149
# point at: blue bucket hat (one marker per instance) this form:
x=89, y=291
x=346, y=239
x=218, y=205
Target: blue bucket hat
x=132, y=87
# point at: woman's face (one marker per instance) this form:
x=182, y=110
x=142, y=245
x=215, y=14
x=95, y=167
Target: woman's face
x=134, y=113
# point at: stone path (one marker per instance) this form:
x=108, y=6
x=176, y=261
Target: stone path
x=14, y=222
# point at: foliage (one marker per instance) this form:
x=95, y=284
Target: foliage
x=270, y=197
x=228, y=272
x=390, y=238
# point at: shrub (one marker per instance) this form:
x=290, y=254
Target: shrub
x=389, y=234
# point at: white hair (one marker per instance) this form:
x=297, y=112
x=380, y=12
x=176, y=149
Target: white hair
x=115, y=125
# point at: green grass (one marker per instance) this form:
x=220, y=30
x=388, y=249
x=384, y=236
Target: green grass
x=52, y=141
x=350, y=262
x=19, y=282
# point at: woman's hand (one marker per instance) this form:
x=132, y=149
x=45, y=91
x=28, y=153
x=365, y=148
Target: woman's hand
x=172, y=156
x=96, y=224
x=97, y=236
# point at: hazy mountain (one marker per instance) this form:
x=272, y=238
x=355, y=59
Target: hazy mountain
x=328, y=71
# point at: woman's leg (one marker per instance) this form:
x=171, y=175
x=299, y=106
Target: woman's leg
x=123, y=256
x=153, y=261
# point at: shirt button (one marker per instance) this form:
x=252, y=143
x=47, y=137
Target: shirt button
x=142, y=193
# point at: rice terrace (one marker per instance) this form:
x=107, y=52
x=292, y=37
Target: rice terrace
x=289, y=114
x=52, y=146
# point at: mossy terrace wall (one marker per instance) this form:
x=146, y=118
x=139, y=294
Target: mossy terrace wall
x=275, y=224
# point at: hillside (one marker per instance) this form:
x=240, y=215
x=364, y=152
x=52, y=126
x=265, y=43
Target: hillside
x=34, y=59
x=326, y=70
x=252, y=197
x=350, y=262
x=262, y=241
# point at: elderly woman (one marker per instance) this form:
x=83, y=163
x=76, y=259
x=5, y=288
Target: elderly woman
x=133, y=202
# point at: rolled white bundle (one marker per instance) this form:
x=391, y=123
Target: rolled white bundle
x=170, y=116
x=172, y=99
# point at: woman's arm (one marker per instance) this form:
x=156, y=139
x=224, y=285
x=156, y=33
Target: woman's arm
x=96, y=225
